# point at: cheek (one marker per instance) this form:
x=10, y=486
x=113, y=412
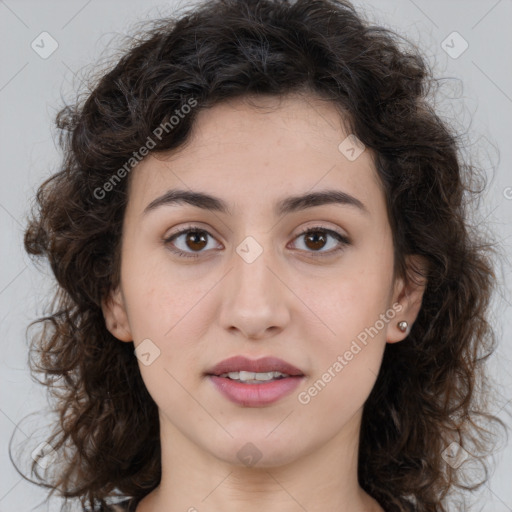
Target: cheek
x=348, y=357
x=173, y=312
x=355, y=300
x=355, y=313
x=159, y=296
x=170, y=317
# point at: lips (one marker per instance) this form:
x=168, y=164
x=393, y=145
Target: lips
x=263, y=365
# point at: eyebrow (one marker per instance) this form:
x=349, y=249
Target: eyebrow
x=285, y=206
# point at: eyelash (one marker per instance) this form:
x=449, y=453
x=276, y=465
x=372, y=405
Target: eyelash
x=344, y=241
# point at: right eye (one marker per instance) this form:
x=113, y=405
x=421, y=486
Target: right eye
x=189, y=240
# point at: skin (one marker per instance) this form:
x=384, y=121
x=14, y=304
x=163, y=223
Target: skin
x=289, y=303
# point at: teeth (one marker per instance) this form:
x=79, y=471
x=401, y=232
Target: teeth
x=252, y=377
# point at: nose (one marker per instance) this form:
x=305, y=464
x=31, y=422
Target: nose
x=255, y=299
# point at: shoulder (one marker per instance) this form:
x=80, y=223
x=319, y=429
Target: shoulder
x=123, y=506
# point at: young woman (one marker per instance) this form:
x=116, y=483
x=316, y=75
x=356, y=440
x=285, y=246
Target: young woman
x=270, y=296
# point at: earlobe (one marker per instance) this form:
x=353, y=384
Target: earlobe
x=409, y=294
x=116, y=319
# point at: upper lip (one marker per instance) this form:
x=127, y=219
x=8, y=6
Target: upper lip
x=264, y=364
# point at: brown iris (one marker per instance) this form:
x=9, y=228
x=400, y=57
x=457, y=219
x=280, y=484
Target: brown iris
x=316, y=238
x=194, y=239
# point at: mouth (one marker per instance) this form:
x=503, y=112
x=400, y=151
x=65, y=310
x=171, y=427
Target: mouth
x=255, y=371
x=255, y=383
x=254, y=377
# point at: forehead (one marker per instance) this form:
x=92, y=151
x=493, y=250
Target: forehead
x=262, y=150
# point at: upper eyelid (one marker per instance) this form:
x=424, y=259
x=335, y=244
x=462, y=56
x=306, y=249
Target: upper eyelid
x=186, y=229
x=194, y=227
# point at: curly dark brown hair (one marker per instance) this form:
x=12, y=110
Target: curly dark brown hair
x=431, y=389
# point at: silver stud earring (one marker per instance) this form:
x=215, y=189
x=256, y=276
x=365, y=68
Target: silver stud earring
x=403, y=326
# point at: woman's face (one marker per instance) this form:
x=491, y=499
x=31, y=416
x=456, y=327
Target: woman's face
x=248, y=282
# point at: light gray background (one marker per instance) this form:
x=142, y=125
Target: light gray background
x=478, y=97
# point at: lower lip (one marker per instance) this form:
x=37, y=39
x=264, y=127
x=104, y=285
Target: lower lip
x=255, y=395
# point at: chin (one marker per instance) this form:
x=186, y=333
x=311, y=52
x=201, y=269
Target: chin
x=258, y=451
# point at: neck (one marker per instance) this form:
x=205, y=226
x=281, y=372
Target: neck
x=193, y=480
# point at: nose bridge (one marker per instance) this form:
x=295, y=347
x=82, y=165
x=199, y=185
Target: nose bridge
x=255, y=299
x=254, y=282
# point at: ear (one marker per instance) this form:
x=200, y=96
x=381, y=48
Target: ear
x=409, y=294
x=116, y=319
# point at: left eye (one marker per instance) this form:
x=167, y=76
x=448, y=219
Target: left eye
x=316, y=240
